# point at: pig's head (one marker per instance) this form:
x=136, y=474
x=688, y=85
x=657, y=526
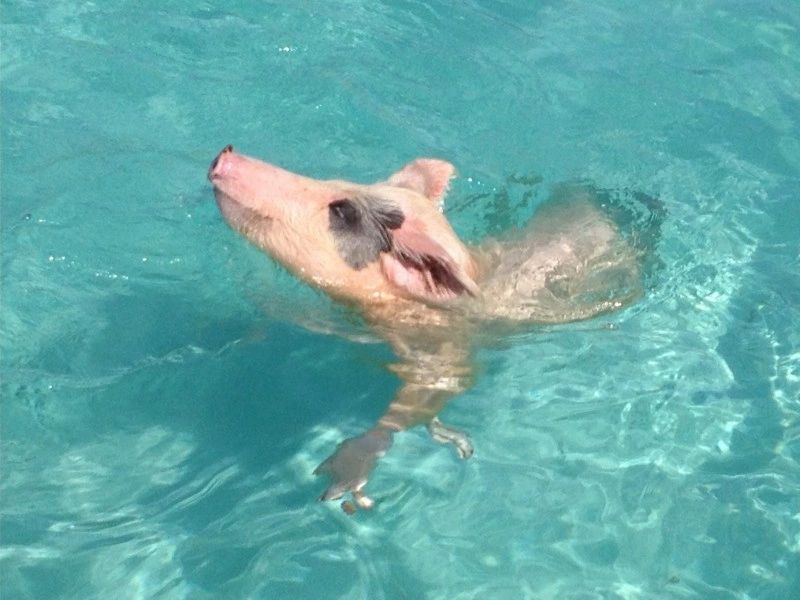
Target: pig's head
x=358, y=242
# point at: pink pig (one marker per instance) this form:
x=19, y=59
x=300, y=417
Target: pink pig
x=388, y=250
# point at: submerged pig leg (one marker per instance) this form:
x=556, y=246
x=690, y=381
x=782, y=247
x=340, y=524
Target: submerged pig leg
x=418, y=405
x=429, y=382
x=432, y=372
x=350, y=466
x=450, y=435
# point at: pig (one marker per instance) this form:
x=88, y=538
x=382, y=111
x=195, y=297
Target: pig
x=387, y=250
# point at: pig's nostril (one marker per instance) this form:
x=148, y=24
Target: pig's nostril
x=228, y=148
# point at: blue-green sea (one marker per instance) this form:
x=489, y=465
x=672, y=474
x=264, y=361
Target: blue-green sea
x=167, y=390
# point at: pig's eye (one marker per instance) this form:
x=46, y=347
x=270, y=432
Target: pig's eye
x=344, y=212
x=361, y=228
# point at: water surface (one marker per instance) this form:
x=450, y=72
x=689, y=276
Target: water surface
x=163, y=404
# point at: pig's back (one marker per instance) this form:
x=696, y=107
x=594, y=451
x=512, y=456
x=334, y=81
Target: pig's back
x=570, y=264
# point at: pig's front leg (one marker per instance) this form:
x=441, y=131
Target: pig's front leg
x=419, y=404
x=349, y=467
x=431, y=377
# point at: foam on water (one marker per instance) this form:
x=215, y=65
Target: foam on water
x=167, y=391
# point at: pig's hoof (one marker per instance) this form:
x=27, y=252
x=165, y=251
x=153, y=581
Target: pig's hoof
x=449, y=435
x=362, y=500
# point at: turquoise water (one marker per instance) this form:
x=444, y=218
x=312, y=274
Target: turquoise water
x=167, y=391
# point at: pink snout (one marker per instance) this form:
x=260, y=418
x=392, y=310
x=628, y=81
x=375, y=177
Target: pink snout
x=221, y=164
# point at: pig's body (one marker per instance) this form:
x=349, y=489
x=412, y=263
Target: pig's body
x=388, y=250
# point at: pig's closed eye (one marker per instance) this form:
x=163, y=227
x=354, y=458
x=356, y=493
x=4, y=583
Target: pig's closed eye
x=344, y=212
x=361, y=227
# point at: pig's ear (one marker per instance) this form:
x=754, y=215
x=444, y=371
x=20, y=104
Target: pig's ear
x=421, y=267
x=427, y=176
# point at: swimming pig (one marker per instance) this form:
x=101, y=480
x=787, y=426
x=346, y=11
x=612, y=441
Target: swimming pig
x=388, y=250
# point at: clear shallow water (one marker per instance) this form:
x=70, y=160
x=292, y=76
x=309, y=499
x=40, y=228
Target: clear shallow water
x=163, y=406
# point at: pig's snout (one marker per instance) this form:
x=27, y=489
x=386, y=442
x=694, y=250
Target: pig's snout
x=218, y=166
